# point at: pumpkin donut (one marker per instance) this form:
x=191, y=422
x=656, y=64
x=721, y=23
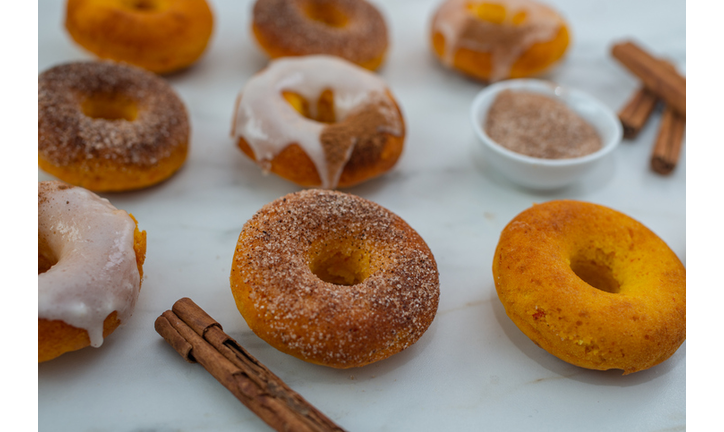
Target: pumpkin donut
x=334, y=279
x=90, y=266
x=109, y=127
x=161, y=36
x=319, y=121
x=591, y=286
x=497, y=40
x=352, y=29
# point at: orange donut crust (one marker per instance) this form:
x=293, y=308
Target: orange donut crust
x=161, y=36
x=548, y=263
x=55, y=337
x=536, y=59
x=145, y=141
x=391, y=292
x=104, y=176
x=281, y=29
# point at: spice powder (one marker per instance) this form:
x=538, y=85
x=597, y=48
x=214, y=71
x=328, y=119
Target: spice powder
x=539, y=126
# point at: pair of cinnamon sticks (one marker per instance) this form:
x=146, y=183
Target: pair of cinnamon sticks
x=199, y=338
x=660, y=81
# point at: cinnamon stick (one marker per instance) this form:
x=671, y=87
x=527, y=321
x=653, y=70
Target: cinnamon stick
x=197, y=337
x=664, y=82
x=667, y=147
x=636, y=112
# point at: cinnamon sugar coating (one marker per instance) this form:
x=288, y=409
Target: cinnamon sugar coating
x=341, y=326
x=69, y=138
x=283, y=29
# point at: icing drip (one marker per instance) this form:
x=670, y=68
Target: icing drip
x=505, y=42
x=96, y=271
x=269, y=123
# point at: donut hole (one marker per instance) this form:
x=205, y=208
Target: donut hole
x=46, y=257
x=323, y=110
x=595, y=273
x=110, y=107
x=146, y=5
x=340, y=263
x=325, y=12
x=494, y=13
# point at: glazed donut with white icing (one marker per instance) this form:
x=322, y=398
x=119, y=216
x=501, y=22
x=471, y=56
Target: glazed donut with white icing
x=352, y=29
x=498, y=40
x=319, y=121
x=90, y=266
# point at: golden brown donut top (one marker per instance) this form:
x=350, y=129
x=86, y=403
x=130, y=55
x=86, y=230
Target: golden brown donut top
x=284, y=22
x=394, y=304
x=66, y=135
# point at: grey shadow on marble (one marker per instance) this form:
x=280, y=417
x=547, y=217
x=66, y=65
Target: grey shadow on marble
x=613, y=377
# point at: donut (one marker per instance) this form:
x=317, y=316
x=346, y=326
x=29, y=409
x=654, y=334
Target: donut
x=492, y=41
x=90, y=266
x=161, y=36
x=319, y=121
x=334, y=279
x=109, y=127
x=591, y=286
x=352, y=29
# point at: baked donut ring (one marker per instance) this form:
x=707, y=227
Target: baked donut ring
x=352, y=29
x=591, y=286
x=334, y=279
x=319, y=121
x=497, y=40
x=90, y=266
x=109, y=127
x=161, y=36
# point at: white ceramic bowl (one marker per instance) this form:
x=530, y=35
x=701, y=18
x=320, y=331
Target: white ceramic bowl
x=537, y=173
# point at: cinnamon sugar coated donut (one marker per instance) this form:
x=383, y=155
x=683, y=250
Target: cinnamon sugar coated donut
x=319, y=121
x=334, y=279
x=109, y=127
x=90, y=266
x=158, y=35
x=497, y=40
x=352, y=29
x=591, y=286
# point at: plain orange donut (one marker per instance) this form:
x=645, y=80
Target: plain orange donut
x=158, y=35
x=591, y=286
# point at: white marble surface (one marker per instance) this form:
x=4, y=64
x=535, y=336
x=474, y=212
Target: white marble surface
x=473, y=369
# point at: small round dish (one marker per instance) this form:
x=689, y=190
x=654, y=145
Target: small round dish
x=546, y=174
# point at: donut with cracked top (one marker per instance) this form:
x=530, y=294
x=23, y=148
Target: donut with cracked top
x=591, y=286
x=161, y=36
x=334, y=279
x=109, y=127
x=90, y=267
x=319, y=121
x=352, y=29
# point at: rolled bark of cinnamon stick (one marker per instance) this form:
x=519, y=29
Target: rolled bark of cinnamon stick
x=199, y=338
x=667, y=147
x=664, y=82
x=636, y=112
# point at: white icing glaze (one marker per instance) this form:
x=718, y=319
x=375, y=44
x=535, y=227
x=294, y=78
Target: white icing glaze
x=96, y=272
x=453, y=20
x=269, y=123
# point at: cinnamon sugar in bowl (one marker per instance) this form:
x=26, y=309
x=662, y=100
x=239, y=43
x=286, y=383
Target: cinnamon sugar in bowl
x=558, y=136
